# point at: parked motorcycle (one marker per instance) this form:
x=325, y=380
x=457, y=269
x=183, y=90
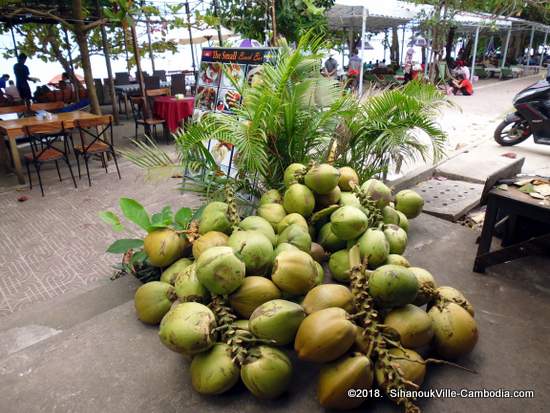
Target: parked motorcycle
x=532, y=116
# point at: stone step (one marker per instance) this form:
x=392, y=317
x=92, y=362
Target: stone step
x=46, y=319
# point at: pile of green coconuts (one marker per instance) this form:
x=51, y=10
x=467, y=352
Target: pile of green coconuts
x=319, y=268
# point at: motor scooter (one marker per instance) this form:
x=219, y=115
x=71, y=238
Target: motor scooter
x=532, y=116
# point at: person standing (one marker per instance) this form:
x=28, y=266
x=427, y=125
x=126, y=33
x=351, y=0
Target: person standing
x=331, y=67
x=354, y=67
x=22, y=77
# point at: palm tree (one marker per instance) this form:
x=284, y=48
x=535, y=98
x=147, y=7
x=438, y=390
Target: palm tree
x=291, y=113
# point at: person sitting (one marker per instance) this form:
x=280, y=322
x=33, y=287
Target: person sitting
x=369, y=65
x=462, y=85
x=11, y=91
x=382, y=64
x=4, y=81
x=461, y=69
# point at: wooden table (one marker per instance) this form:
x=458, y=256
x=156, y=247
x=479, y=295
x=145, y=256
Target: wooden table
x=13, y=129
x=511, y=204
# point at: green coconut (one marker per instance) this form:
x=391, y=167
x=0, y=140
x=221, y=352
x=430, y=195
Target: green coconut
x=188, y=328
x=214, y=218
x=397, y=238
x=447, y=293
x=396, y=259
x=296, y=235
x=412, y=324
x=214, y=371
x=426, y=284
x=271, y=197
x=350, y=372
x=163, y=247
x=393, y=286
x=293, y=218
x=290, y=173
x=328, y=295
x=266, y=372
x=253, y=292
x=285, y=246
x=348, y=222
x=299, y=199
x=153, y=300
x=220, y=270
x=409, y=203
x=349, y=198
x=294, y=272
x=277, y=320
x=189, y=288
x=374, y=247
x=328, y=240
x=403, y=221
x=410, y=364
x=272, y=213
x=378, y=192
x=390, y=215
x=348, y=178
x=320, y=274
x=254, y=249
x=324, y=335
x=322, y=178
x=317, y=252
x=209, y=240
x=332, y=198
x=255, y=223
x=338, y=264
x=170, y=274
x=455, y=330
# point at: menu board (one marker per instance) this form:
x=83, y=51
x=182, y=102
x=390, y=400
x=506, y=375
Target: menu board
x=223, y=71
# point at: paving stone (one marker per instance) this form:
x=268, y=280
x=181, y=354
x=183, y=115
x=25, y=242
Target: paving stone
x=477, y=167
x=449, y=199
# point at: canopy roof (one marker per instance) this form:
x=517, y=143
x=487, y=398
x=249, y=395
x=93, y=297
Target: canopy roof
x=383, y=14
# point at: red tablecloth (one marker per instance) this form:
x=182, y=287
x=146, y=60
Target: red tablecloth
x=173, y=111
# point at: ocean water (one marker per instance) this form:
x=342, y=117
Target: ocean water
x=167, y=61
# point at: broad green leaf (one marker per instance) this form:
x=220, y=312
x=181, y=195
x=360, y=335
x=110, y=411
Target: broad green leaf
x=112, y=219
x=138, y=258
x=163, y=218
x=122, y=245
x=135, y=212
x=183, y=216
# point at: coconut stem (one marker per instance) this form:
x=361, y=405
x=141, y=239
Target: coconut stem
x=374, y=215
x=375, y=332
x=230, y=199
x=238, y=340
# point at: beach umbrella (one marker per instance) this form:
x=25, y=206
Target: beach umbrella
x=249, y=43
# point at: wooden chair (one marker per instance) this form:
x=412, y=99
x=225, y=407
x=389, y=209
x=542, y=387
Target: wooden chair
x=151, y=82
x=136, y=102
x=161, y=74
x=42, y=139
x=122, y=78
x=178, y=84
x=96, y=138
x=49, y=106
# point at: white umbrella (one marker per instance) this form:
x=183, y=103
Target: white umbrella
x=204, y=35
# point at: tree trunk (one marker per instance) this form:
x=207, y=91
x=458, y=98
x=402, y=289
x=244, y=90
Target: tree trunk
x=82, y=40
x=449, y=45
x=394, y=49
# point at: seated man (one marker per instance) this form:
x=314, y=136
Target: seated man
x=462, y=85
x=12, y=91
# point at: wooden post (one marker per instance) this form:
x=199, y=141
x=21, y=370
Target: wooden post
x=141, y=81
